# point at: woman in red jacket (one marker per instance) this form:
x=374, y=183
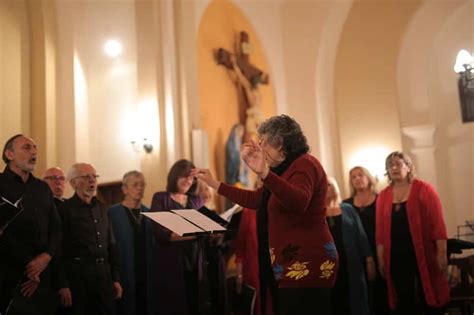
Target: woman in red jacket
x=297, y=257
x=411, y=241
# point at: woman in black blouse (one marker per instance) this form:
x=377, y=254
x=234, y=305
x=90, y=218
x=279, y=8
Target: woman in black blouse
x=363, y=198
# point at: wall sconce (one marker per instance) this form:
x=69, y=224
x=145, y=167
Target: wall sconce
x=146, y=145
x=465, y=67
x=141, y=126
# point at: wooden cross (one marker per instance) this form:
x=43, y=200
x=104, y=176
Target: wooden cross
x=245, y=72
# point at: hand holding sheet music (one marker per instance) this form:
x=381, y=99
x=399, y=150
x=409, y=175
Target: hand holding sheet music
x=227, y=215
x=9, y=211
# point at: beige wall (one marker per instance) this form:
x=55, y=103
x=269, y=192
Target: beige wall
x=43, y=83
x=310, y=35
x=365, y=82
x=15, y=69
x=98, y=94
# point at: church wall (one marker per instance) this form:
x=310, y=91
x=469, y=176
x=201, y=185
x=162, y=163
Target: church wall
x=429, y=104
x=310, y=35
x=365, y=83
x=43, y=84
x=15, y=69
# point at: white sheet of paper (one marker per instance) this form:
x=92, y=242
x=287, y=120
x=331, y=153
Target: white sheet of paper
x=199, y=219
x=173, y=222
x=227, y=215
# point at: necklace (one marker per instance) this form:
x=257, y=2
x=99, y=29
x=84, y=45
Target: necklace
x=135, y=213
x=181, y=199
x=400, y=195
x=363, y=203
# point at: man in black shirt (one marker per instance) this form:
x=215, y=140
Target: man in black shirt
x=31, y=231
x=89, y=256
x=55, y=179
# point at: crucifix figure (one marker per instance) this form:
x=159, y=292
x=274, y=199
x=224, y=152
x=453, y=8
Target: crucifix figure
x=246, y=77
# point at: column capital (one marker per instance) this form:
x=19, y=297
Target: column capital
x=422, y=135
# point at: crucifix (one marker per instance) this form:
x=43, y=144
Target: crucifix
x=247, y=77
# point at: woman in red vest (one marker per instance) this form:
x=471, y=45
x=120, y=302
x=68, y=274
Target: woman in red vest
x=411, y=241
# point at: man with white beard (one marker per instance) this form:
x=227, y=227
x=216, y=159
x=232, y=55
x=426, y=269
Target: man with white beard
x=90, y=274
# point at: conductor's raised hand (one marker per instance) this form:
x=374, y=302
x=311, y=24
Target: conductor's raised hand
x=254, y=156
x=205, y=175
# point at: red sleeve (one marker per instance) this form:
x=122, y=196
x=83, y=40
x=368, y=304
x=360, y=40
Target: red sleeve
x=433, y=206
x=240, y=241
x=297, y=191
x=246, y=198
x=379, y=218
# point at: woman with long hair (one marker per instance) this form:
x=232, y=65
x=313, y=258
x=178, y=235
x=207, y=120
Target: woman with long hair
x=363, y=199
x=180, y=265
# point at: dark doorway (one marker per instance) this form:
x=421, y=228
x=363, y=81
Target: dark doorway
x=110, y=193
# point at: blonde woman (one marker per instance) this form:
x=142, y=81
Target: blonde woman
x=349, y=294
x=363, y=199
x=411, y=241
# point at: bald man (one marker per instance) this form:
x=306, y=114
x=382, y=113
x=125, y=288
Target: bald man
x=55, y=179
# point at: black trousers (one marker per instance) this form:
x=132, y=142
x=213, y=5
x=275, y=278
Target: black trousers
x=304, y=301
x=407, y=283
x=91, y=288
x=43, y=301
x=378, y=296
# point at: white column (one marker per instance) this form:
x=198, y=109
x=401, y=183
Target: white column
x=423, y=151
x=169, y=68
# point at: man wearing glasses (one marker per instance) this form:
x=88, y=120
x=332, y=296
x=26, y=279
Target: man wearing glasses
x=55, y=179
x=31, y=232
x=90, y=277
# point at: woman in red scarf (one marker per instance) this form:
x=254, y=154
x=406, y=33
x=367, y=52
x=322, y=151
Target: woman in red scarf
x=411, y=241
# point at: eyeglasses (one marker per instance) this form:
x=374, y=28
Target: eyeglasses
x=88, y=177
x=396, y=164
x=55, y=177
x=138, y=185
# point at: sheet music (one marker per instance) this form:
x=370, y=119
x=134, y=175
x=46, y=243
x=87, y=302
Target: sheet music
x=227, y=215
x=199, y=219
x=13, y=204
x=173, y=222
x=16, y=209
